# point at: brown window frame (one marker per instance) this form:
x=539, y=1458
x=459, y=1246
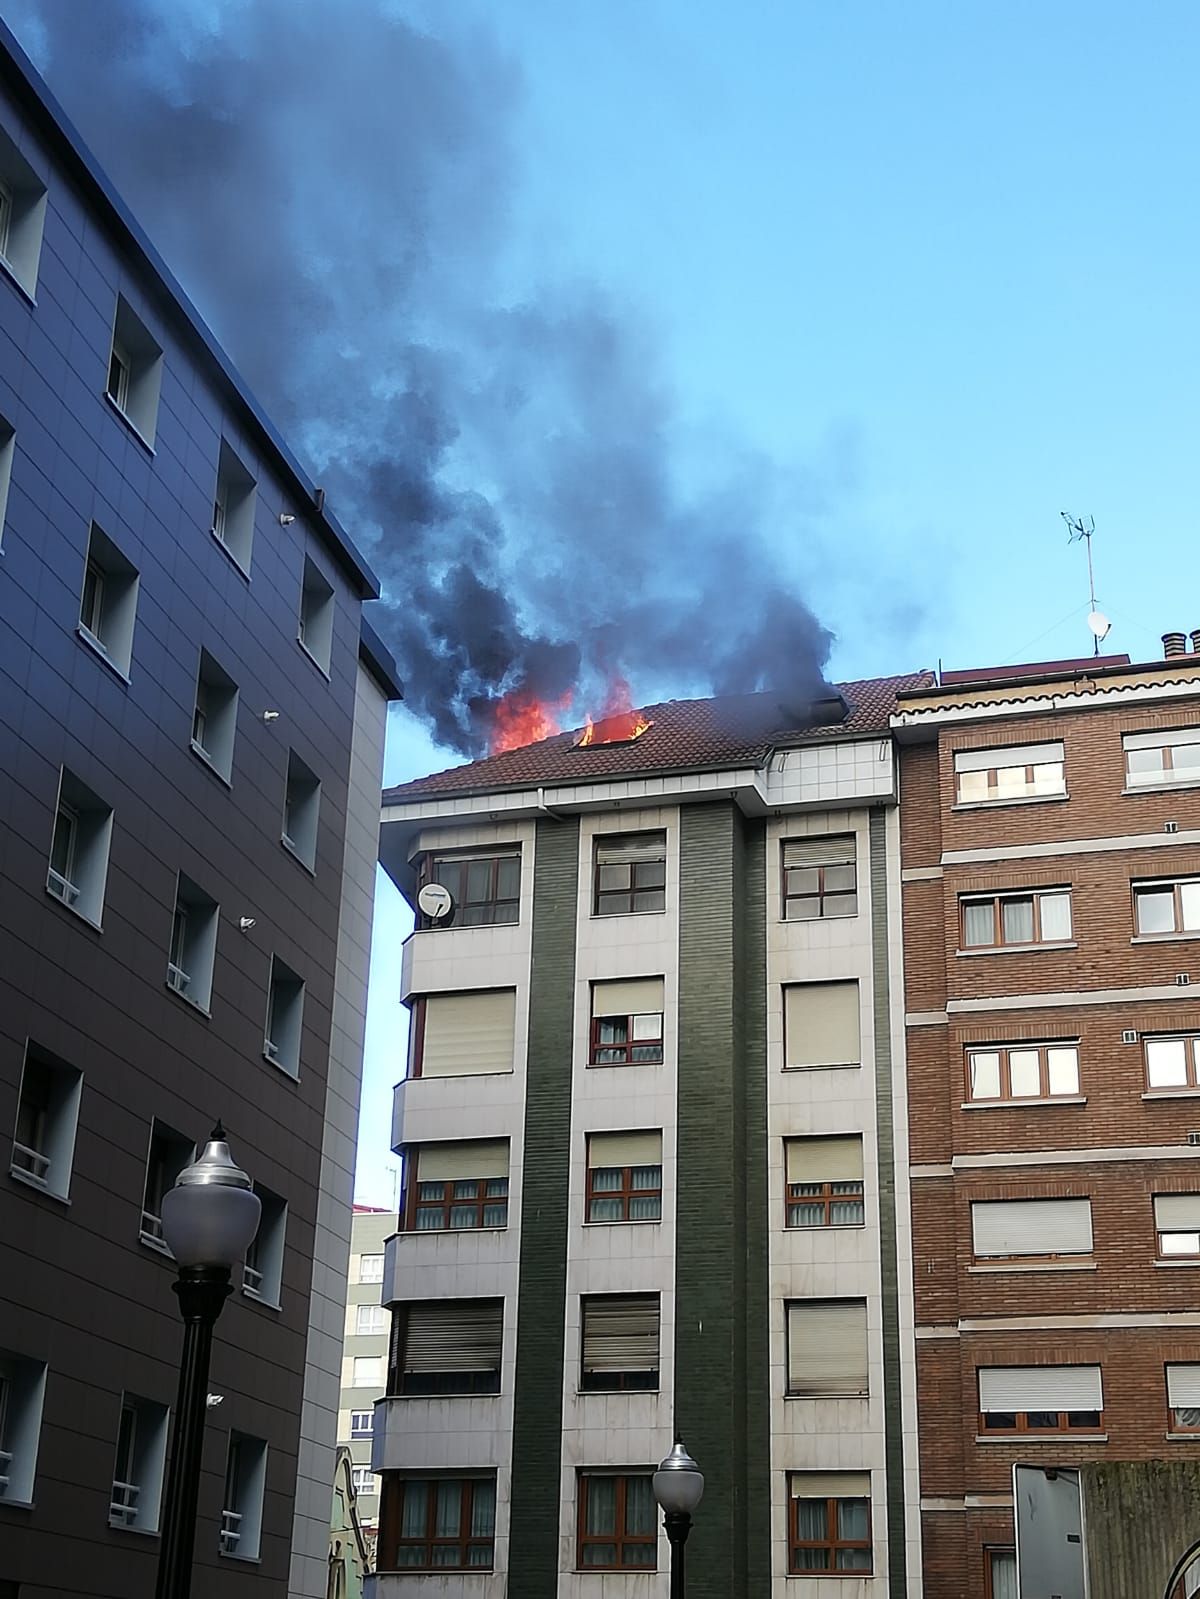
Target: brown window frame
x=1035, y=896
x=619, y=1537
x=641, y=1381
x=989, y=1554
x=1021, y=1424
x=403, y=1384
x=412, y=1202
x=1175, y=1425
x=433, y=859
x=831, y=1544
x=391, y=1519
x=822, y=892
x=629, y=1044
x=851, y=1189
x=599, y=896
x=625, y=1194
x=1006, y=1095
x=1157, y=885
x=991, y=772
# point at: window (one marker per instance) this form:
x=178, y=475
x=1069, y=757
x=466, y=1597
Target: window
x=214, y=718
x=361, y=1423
x=1173, y=1062
x=1023, y=1071
x=617, y=1522
x=624, y=1174
x=1001, y=1571
x=631, y=874
x=619, y=1342
x=1008, y=921
x=447, y=1346
x=829, y=1521
x=367, y=1371
x=135, y=371
x=827, y=1347
x=22, y=215
x=233, y=507
x=1183, y=1398
x=315, y=631
x=1003, y=1229
x=79, y=847
x=369, y=1320
x=370, y=1268
x=458, y=1187
x=108, y=601
x=8, y=447
x=1153, y=760
x=193, y=944
x=1177, y=1224
x=824, y=1182
x=437, y=1524
x=301, y=811
x=22, y=1389
x=1024, y=1399
x=1168, y=906
x=819, y=878
x=821, y=1024
x=169, y=1153
x=262, y=1272
x=285, y=1017
x=627, y=1022
x=1013, y=772
x=463, y=1035
x=138, y=1469
x=485, y=887
x=47, y=1116
x=241, y=1514
x=365, y=1481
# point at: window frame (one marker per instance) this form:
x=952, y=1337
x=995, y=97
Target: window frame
x=371, y=1332
x=990, y=1552
x=371, y=1279
x=1150, y=885
x=626, y=1194
x=595, y=1046
x=996, y=900
x=830, y=1544
x=1042, y=1048
x=433, y=860
x=360, y=1431
x=600, y=896
x=448, y=1202
x=1173, y=1232
x=993, y=796
x=639, y=1380
x=827, y=1199
x=618, y=1537
x=1165, y=774
x=1191, y=1061
x=822, y=891
x=390, y=1540
x=1021, y=1426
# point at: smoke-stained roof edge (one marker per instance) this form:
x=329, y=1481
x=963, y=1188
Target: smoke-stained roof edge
x=29, y=87
x=379, y=660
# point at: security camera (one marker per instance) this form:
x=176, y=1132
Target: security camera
x=245, y=923
x=286, y=519
x=270, y=716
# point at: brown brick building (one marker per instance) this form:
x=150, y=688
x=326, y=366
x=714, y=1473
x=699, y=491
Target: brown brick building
x=1050, y=856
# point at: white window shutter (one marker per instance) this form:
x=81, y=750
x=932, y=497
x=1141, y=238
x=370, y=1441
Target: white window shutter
x=621, y=1333
x=1005, y=1227
x=624, y=1149
x=830, y=1484
x=1016, y=1388
x=453, y=1335
x=1177, y=1213
x=1183, y=1387
x=821, y=1024
x=825, y=850
x=824, y=1160
x=634, y=996
x=827, y=1347
x=1007, y=755
x=449, y=1162
x=469, y=1034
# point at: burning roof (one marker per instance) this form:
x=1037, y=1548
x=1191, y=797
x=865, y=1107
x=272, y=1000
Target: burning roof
x=677, y=735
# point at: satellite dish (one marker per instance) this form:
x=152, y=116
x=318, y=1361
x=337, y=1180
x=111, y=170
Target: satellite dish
x=1099, y=624
x=434, y=901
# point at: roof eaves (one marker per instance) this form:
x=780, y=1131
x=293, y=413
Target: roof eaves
x=29, y=87
x=751, y=759
x=378, y=659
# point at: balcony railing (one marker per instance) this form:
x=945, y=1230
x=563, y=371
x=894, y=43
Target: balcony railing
x=31, y=1162
x=152, y=1230
x=5, y=1462
x=122, y=1511
x=252, y=1280
x=231, y=1535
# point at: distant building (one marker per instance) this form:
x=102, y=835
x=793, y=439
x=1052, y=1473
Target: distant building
x=364, y=1356
x=349, y=1552
x=192, y=717
x=655, y=1169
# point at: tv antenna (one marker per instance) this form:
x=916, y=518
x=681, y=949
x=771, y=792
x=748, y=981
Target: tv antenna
x=1080, y=528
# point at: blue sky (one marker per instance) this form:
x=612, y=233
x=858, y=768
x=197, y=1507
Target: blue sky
x=937, y=261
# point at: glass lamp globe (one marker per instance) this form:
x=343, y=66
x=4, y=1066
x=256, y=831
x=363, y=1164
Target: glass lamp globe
x=678, y=1482
x=211, y=1215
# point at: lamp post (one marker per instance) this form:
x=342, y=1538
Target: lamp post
x=209, y=1220
x=678, y=1487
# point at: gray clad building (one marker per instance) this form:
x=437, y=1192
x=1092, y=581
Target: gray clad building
x=191, y=731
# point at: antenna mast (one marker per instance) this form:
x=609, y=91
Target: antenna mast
x=1081, y=529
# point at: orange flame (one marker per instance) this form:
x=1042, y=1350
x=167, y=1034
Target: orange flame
x=521, y=718
x=620, y=721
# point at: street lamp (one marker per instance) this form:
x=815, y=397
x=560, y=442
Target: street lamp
x=209, y=1220
x=678, y=1487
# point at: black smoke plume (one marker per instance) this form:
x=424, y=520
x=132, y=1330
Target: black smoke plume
x=332, y=184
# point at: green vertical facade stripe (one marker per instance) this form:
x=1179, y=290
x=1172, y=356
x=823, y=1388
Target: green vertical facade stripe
x=722, y=1385
x=541, y=1301
x=886, y=1177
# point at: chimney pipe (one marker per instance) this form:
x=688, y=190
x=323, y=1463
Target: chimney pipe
x=1196, y=641
x=1174, y=644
